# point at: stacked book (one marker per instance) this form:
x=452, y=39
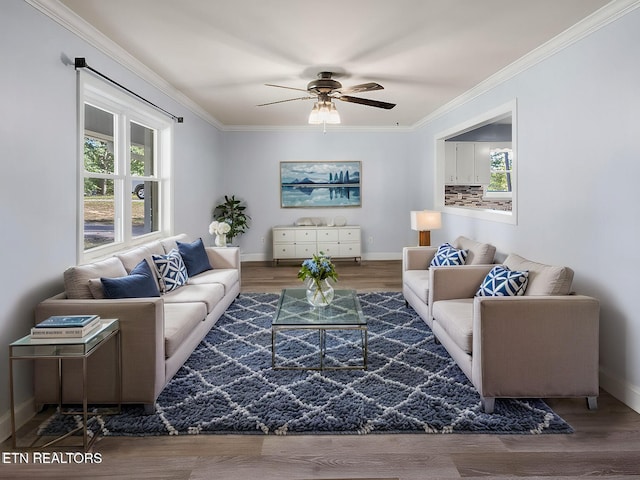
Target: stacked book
x=66, y=326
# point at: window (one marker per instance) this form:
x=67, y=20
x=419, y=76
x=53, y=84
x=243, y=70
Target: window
x=124, y=171
x=501, y=164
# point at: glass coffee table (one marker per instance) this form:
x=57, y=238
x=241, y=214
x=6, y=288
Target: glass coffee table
x=343, y=314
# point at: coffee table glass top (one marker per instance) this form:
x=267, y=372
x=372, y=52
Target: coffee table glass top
x=294, y=310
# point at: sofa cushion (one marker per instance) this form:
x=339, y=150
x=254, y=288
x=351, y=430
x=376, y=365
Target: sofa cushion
x=228, y=277
x=448, y=255
x=170, y=243
x=478, y=253
x=418, y=282
x=210, y=294
x=543, y=279
x=502, y=282
x=456, y=319
x=194, y=256
x=172, y=272
x=76, y=279
x=179, y=321
x=139, y=283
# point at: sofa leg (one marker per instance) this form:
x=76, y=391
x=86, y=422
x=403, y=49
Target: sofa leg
x=149, y=408
x=488, y=404
x=435, y=340
x=592, y=403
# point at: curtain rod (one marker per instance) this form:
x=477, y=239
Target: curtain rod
x=81, y=62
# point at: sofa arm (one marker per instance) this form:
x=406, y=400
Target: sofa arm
x=448, y=283
x=536, y=346
x=142, y=340
x=224, y=257
x=417, y=258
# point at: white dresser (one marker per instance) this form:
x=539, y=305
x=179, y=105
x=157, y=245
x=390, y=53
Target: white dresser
x=302, y=242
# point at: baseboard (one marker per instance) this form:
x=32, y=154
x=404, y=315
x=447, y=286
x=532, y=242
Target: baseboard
x=624, y=391
x=24, y=412
x=261, y=257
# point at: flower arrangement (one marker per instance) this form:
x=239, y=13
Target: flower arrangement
x=219, y=228
x=315, y=270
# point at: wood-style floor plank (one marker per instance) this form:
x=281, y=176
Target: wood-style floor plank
x=606, y=442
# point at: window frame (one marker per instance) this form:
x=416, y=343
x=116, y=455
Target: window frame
x=126, y=109
x=501, y=195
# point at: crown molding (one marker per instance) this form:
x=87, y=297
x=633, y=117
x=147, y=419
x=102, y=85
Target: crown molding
x=600, y=18
x=76, y=25
x=316, y=128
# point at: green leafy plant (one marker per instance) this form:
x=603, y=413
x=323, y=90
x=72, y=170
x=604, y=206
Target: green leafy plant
x=232, y=211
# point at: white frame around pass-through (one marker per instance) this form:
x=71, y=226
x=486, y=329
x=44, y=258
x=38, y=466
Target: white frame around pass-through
x=486, y=118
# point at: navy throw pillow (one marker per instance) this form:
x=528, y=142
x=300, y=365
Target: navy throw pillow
x=194, y=257
x=139, y=283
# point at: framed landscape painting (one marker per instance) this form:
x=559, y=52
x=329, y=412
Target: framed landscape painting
x=320, y=184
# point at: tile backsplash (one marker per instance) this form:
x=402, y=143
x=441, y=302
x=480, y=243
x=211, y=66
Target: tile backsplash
x=470, y=196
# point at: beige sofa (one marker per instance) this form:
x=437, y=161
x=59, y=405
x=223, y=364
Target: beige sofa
x=541, y=344
x=158, y=333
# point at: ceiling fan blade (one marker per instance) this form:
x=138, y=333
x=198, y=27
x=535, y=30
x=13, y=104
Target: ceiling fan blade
x=366, y=101
x=288, y=100
x=288, y=88
x=363, y=87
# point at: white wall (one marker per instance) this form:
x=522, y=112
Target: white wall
x=388, y=184
x=38, y=179
x=578, y=143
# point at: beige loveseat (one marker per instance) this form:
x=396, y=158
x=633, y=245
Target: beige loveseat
x=415, y=270
x=158, y=333
x=541, y=344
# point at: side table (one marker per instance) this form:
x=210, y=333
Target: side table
x=70, y=349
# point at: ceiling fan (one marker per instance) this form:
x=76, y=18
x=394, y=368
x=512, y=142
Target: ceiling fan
x=325, y=89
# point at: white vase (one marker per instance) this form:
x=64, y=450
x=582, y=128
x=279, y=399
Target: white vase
x=221, y=240
x=319, y=293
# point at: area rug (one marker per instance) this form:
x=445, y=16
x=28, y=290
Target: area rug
x=411, y=386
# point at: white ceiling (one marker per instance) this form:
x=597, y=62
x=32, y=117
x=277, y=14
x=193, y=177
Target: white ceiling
x=220, y=53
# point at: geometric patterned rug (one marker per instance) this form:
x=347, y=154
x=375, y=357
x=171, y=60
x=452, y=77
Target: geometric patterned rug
x=411, y=385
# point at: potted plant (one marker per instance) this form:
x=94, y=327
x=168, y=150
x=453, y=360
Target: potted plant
x=231, y=211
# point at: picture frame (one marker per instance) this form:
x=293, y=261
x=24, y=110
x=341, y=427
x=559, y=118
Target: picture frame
x=320, y=184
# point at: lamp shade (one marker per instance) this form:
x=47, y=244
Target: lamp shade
x=422, y=220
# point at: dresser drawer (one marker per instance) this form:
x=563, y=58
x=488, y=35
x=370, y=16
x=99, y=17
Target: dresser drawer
x=328, y=235
x=305, y=235
x=349, y=235
x=283, y=235
x=284, y=251
x=349, y=249
x=304, y=250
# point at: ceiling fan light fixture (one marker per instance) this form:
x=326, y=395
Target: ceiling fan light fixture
x=324, y=112
x=314, y=116
x=334, y=116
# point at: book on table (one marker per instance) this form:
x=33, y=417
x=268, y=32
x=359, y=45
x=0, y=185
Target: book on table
x=66, y=326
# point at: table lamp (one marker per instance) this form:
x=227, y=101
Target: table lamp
x=424, y=221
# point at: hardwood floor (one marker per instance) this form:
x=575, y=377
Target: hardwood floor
x=606, y=442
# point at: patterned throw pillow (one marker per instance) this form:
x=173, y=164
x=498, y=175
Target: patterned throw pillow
x=447, y=255
x=172, y=272
x=502, y=282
